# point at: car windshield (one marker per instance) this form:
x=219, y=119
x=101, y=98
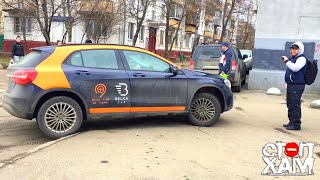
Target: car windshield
x=207, y=52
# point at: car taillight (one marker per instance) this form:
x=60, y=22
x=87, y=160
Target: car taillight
x=234, y=65
x=24, y=77
x=191, y=65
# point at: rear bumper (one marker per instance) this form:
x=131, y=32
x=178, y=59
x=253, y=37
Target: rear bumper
x=17, y=107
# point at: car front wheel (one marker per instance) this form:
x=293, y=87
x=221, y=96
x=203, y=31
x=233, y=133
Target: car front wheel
x=59, y=117
x=205, y=110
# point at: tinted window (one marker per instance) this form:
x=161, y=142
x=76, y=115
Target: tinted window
x=75, y=59
x=94, y=59
x=145, y=62
x=247, y=52
x=207, y=52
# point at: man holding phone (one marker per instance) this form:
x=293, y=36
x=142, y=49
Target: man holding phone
x=295, y=79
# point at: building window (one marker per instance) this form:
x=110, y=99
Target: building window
x=141, y=34
x=176, y=12
x=132, y=3
x=161, y=37
x=96, y=28
x=130, y=30
x=177, y=41
x=18, y=25
x=187, y=41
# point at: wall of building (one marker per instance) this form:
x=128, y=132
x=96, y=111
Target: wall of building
x=279, y=24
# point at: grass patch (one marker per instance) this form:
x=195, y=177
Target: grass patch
x=4, y=60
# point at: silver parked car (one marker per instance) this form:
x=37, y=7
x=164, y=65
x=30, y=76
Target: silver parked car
x=247, y=55
x=207, y=57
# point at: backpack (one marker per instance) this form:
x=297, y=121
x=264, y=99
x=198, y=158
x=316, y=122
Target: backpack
x=311, y=73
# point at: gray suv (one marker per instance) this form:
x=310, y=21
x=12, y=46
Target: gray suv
x=207, y=57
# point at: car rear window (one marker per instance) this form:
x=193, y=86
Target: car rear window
x=32, y=59
x=206, y=52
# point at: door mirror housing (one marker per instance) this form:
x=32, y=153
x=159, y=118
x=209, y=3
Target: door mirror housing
x=175, y=70
x=245, y=56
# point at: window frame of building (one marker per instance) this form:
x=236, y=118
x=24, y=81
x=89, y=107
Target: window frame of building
x=161, y=37
x=141, y=33
x=176, y=11
x=130, y=30
x=18, y=23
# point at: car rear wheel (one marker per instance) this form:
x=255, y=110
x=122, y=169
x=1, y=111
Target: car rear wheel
x=205, y=110
x=59, y=117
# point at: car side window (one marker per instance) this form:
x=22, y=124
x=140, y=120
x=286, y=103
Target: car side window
x=75, y=59
x=145, y=62
x=105, y=59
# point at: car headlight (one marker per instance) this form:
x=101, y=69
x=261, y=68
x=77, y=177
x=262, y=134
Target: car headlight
x=227, y=83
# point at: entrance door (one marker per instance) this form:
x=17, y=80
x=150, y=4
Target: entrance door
x=152, y=39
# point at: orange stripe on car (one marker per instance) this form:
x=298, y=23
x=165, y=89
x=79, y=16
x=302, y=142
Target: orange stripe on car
x=136, y=109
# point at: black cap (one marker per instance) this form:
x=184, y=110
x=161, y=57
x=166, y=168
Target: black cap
x=294, y=46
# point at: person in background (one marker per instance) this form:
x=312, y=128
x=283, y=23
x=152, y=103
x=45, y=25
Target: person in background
x=88, y=40
x=17, y=50
x=225, y=60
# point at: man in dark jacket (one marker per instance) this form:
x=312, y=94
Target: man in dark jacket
x=225, y=60
x=17, y=50
x=88, y=40
x=295, y=79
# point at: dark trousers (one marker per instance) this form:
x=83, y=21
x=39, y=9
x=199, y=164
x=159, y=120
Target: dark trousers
x=294, y=93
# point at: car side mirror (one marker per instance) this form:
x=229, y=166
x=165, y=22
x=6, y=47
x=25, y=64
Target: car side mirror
x=245, y=56
x=175, y=70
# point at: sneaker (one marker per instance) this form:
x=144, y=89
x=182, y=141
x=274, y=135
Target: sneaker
x=293, y=128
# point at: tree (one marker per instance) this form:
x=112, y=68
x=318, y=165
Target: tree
x=138, y=13
x=229, y=8
x=101, y=19
x=40, y=10
x=175, y=11
x=246, y=31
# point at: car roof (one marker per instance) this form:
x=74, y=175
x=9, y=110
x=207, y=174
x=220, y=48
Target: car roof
x=89, y=46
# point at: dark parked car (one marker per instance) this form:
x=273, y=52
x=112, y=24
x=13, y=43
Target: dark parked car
x=207, y=57
x=63, y=85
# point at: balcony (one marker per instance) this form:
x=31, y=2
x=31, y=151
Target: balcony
x=208, y=18
x=216, y=36
x=190, y=29
x=208, y=34
x=96, y=6
x=180, y=2
x=173, y=23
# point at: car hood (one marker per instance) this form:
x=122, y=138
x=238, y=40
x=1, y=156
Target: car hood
x=201, y=74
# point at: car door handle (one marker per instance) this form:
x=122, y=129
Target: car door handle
x=138, y=75
x=82, y=72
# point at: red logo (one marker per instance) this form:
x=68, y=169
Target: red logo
x=291, y=149
x=100, y=89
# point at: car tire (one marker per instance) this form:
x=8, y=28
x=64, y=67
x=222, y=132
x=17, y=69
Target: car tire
x=200, y=107
x=59, y=116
